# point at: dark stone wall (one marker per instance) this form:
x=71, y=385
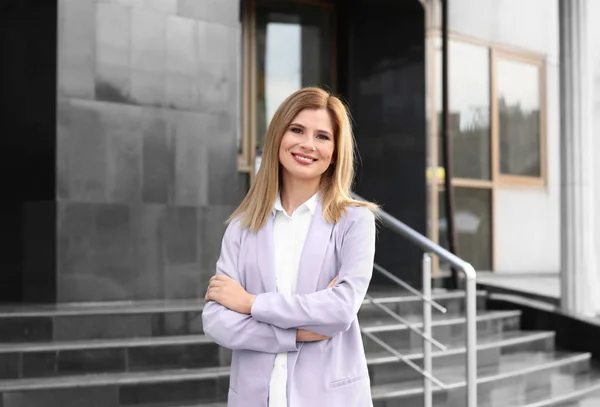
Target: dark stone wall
x=139, y=162
x=146, y=142
x=382, y=74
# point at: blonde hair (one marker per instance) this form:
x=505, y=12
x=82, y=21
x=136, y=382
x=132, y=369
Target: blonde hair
x=336, y=181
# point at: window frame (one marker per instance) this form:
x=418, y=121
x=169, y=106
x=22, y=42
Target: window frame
x=498, y=180
x=437, y=183
x=513, y=180
x=248, y=87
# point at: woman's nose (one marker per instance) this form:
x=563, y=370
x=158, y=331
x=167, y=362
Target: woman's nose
x=308, y=143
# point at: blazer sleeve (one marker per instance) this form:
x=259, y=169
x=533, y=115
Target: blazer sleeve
x=237, y=331
x=333, y=310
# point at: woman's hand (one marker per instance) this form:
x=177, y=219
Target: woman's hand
x=230, y=294
x=309, y=336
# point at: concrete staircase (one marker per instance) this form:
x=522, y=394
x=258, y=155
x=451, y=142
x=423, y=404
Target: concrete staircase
x=154, y=354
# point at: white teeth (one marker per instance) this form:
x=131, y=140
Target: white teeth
x=308, y=160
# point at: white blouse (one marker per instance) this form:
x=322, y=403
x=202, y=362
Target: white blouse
x=289, y=235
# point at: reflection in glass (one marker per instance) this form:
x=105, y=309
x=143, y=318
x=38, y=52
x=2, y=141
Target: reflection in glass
x=112, y=72
x=473, y=220
x=469, y=99
x=518, y=88
x=293, y=47
x=148, y=51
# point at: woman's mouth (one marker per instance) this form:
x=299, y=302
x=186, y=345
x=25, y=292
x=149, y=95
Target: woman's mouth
x=303, y=159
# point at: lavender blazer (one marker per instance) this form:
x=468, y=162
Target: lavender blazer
x=330, y=373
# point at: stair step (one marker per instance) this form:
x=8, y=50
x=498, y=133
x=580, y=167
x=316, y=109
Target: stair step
x=408, y=304
x=218, y=404
x=62, y=322
x=207, y=405
x=55, y=358
x=510, y=339
x=387, y=323
x=587, y=402
x=32, y=360
x=378, y=362
x=385, y=368
x=582, y=390
x=100, y=321
x=509, y=375
x=175, y=387
x=105, y=356
x=557, y=390
x=444, y=329
x=111, y=379
x=373, y=326
x=104, y=343
x=184, y=305
x=100, y=308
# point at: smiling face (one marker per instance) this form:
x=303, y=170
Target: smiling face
x=307, y=146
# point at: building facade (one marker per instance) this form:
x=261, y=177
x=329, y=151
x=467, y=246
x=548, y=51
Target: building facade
x=503, y=97
x=140, y=126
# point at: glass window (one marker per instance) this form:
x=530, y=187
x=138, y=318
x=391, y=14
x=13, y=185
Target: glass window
x=473, y=222
x=293, y=50
x=518, y=98
x=502, y=104
x=469, y=100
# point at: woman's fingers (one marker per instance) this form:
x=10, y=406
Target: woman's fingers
x=220, y=277
x=211, y=292
x=217, y=283
x=212, y=295
x=213, y=283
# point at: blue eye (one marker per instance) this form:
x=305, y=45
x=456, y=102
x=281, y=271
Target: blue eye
x=296, y=130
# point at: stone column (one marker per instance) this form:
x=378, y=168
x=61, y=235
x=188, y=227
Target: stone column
x=579, y=274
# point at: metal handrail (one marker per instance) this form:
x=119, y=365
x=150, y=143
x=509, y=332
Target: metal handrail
x=408, y=287
x=405, y=359
x=428, y=246
x=410, y=325
x=428, y=340
x=427, y=357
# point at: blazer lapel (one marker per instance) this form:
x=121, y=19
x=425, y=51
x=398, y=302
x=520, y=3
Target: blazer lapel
x=265, y=256
x=313, y=253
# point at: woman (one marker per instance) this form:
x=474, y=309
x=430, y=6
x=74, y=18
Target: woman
x=295, y=264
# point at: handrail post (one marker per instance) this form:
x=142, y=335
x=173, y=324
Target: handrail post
x=427, y=363
x=471, y=337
